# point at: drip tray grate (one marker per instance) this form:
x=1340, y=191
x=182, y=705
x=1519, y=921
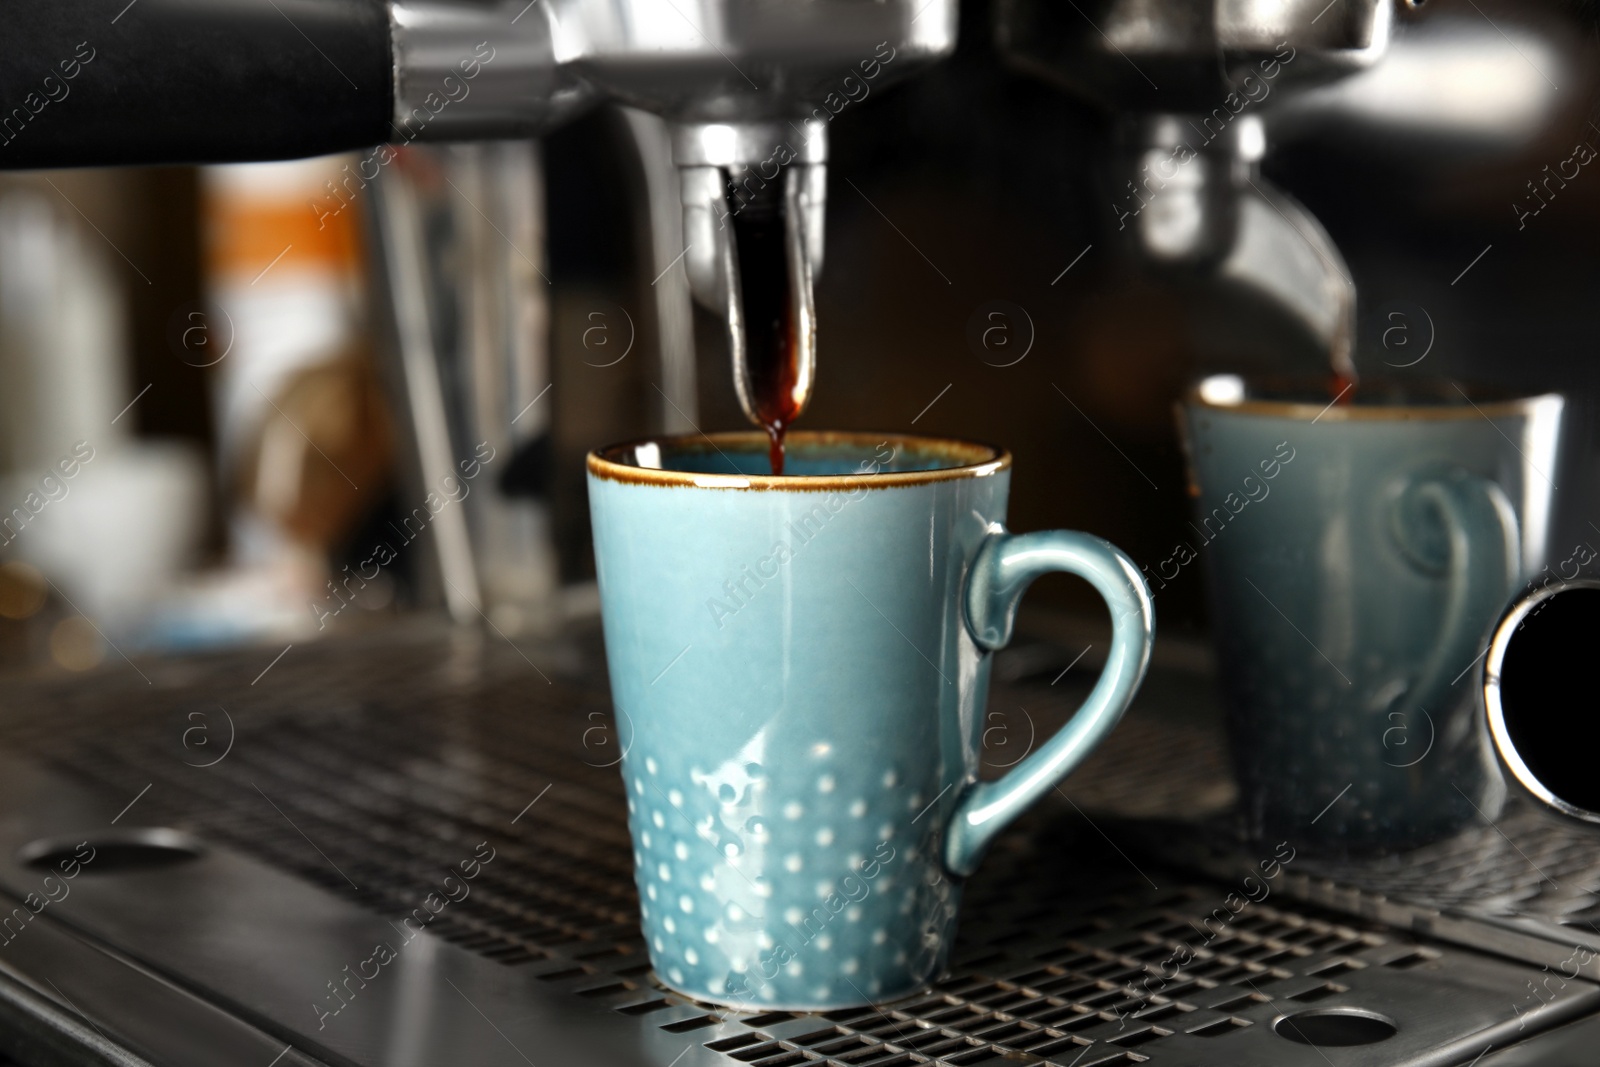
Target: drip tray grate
x=371, y=765
x=1526, y=886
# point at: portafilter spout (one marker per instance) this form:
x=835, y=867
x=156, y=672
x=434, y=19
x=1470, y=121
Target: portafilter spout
x=1198, y=202
x=1189, y=85
x=754, y=201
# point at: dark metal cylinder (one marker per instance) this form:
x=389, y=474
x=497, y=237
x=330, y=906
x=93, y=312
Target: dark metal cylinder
x=1539, y=694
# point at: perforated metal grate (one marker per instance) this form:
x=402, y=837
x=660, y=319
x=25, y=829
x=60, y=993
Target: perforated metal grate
x=371, y=765
x=1039, y=994
x=1528, y=866
x=1527, y=887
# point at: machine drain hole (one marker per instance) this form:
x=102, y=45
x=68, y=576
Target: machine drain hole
x=1335, y=1027
x=113, y=852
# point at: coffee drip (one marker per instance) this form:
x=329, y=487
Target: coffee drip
x=1345, y=382
x=1342, y=388
x=772, y=368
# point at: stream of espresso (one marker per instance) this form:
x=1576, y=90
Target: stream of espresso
x=1342, y=389
x=772, y=342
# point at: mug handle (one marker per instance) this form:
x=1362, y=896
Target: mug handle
x=1479, y=561
x=1004, y=566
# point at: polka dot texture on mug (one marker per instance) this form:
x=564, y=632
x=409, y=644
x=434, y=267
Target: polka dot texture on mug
x=811, y=881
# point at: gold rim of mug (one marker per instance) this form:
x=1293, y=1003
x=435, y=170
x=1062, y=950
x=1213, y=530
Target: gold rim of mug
x=1334, y=412
x=974, y=460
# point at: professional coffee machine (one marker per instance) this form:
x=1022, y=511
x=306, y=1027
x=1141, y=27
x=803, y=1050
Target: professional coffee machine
x=257, y=825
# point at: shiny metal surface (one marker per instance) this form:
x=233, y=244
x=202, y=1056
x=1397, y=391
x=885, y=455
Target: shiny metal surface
x=1179, y=56
x=1515, y=760
x=499, y=370
x=719, y=159
x=1199, y=204
x=748, y=86
x=61, y=997
x=416, y=367
x=705, y=152
x=269, y=947
x=1283, y=252
x=678, y=407
x=382, y=760
x=466, y=69
x=1451, y=87
x=1521, y=888
x=1526, y=887
x=1190, y=85
x=460, y=254
x=742, y=60
x=1572, y=1045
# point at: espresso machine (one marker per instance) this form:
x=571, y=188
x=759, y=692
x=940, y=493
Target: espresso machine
x=269, y=865
x=747, y=93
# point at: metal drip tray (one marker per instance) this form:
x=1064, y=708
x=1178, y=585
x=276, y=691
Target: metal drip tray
x=1526, y=887
x=331, y=796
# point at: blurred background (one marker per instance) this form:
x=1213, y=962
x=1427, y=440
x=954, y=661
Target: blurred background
x=265, y=402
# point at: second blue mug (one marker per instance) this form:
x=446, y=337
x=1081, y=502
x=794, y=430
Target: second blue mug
x=800, y=665
x=1359, y=554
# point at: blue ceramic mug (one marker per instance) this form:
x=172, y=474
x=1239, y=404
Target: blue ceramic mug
x=800, y=664
x=1359, y=554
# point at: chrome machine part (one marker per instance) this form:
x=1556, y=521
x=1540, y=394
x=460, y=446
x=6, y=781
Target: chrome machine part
x=503, y=373
x=1282, y=251
x=1452, y=86
x=1175, y=55
x=723, y=168
x=749, y=90
x=466, y=69
x=678, y=411
x=1191, y=85
x=460, y=251
x=748, y=87
x=1209, y=208
x=417, y=368
x=1535, y=680
x=709, y=155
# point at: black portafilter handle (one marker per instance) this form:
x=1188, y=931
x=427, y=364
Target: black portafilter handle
x=105, y=82
x=1540, y=693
